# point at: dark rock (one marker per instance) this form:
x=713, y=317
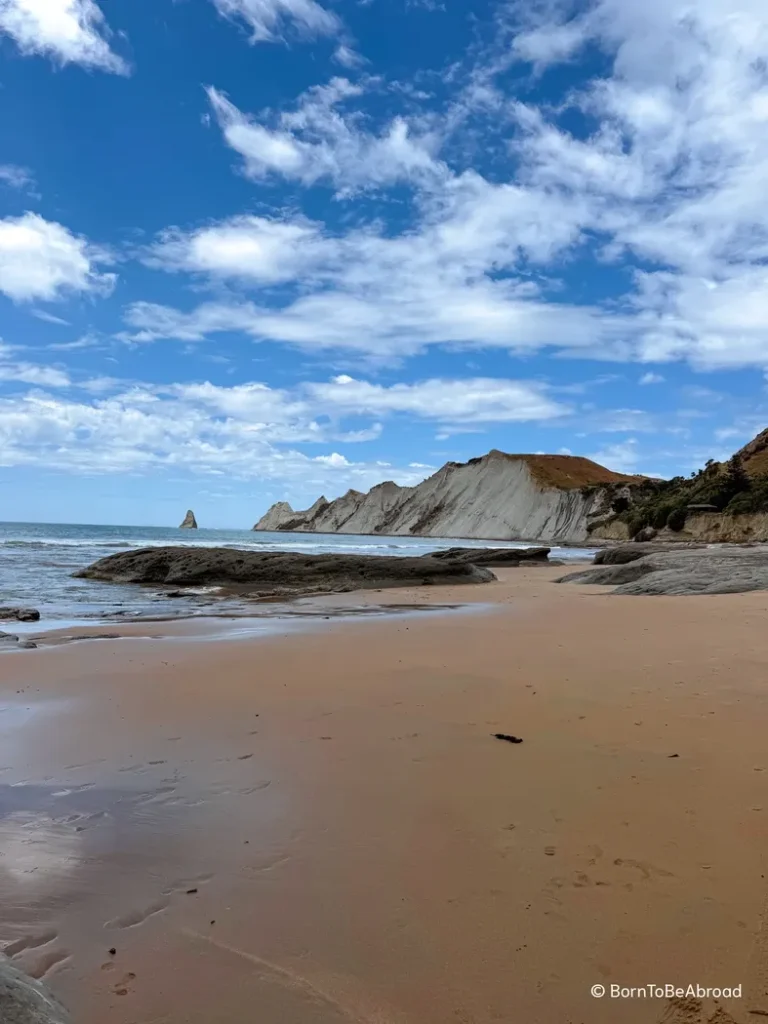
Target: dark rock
x=506, y=737
x=190, y=523
x=277, y=573
x=25, y=1001
x=8, y=638
x=625, y=553
x=9, y=614
x=28, y=645
x=492, y=557
x=673, y=572
x=646, y=534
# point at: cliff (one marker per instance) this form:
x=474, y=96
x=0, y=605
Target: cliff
x=496, y=497
x=190, y=523
x=722, y=502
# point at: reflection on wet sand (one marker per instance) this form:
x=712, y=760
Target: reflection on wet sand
x=321, y=828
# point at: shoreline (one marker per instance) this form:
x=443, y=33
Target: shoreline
x=323, y=826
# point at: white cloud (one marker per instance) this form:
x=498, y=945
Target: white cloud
x=390, y=323
x=651, y=378
x=478, y=400
x=67, y=31
x=143, y=430
x=675, y=168
x=41, y=259
x=246, y=430
x=621, y=458
x=49, y=318
x=15, y=176
x=332, y=460
x=348, y=57
x=667, y=183
x=19, y=371
x=267, y=19
x=317, y=141
x=264, y=250
x=441, y=283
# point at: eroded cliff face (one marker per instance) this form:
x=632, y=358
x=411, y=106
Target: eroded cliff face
x=497, y=497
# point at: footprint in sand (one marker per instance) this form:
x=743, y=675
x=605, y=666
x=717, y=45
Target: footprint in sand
x=122, y=987
x=645, y=869
x=137, y=917
x=691, y=1011
x=186, y=885
x=270, y=862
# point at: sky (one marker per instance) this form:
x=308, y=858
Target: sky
x=262, y=250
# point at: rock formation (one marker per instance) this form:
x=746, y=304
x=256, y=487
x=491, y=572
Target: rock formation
x=25, y=1001
x=724, y=502
x=623, y=553
x=190, y=523
x=683, y=571
x=496, y=497
x=19, y=614
x=277, y=573
x=494, y=558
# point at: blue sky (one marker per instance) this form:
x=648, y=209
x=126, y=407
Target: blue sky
x=254, y=250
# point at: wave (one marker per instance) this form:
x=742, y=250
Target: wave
x=414, y=546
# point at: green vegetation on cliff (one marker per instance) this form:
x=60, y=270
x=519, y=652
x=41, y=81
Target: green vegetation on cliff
x=736, y=487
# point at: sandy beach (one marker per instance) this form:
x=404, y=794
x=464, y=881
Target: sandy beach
x=317, y=826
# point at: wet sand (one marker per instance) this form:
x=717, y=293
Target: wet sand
x=319, y=827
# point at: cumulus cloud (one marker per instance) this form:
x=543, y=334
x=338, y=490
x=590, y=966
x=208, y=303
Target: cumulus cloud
x=664, y=179
x=268, y=19
x=675, y=166
x=318, y=141
x=41, y=259
x=387, y=295
x=261, y=249
x=668, y=182
x=66, y=31
x=244, y=430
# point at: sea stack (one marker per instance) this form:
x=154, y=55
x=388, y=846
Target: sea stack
x=190, y=523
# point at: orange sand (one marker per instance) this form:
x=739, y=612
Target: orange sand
x=320, y=828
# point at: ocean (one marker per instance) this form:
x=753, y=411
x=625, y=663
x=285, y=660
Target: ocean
x=37, y=561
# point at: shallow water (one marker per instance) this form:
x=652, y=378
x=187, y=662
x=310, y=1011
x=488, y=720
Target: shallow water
x=37, y=561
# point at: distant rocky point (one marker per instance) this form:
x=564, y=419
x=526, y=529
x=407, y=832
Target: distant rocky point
x=190, y=523
x=496, y=497
x=554, y=498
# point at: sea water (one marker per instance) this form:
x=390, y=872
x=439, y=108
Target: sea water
x=37, y=561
